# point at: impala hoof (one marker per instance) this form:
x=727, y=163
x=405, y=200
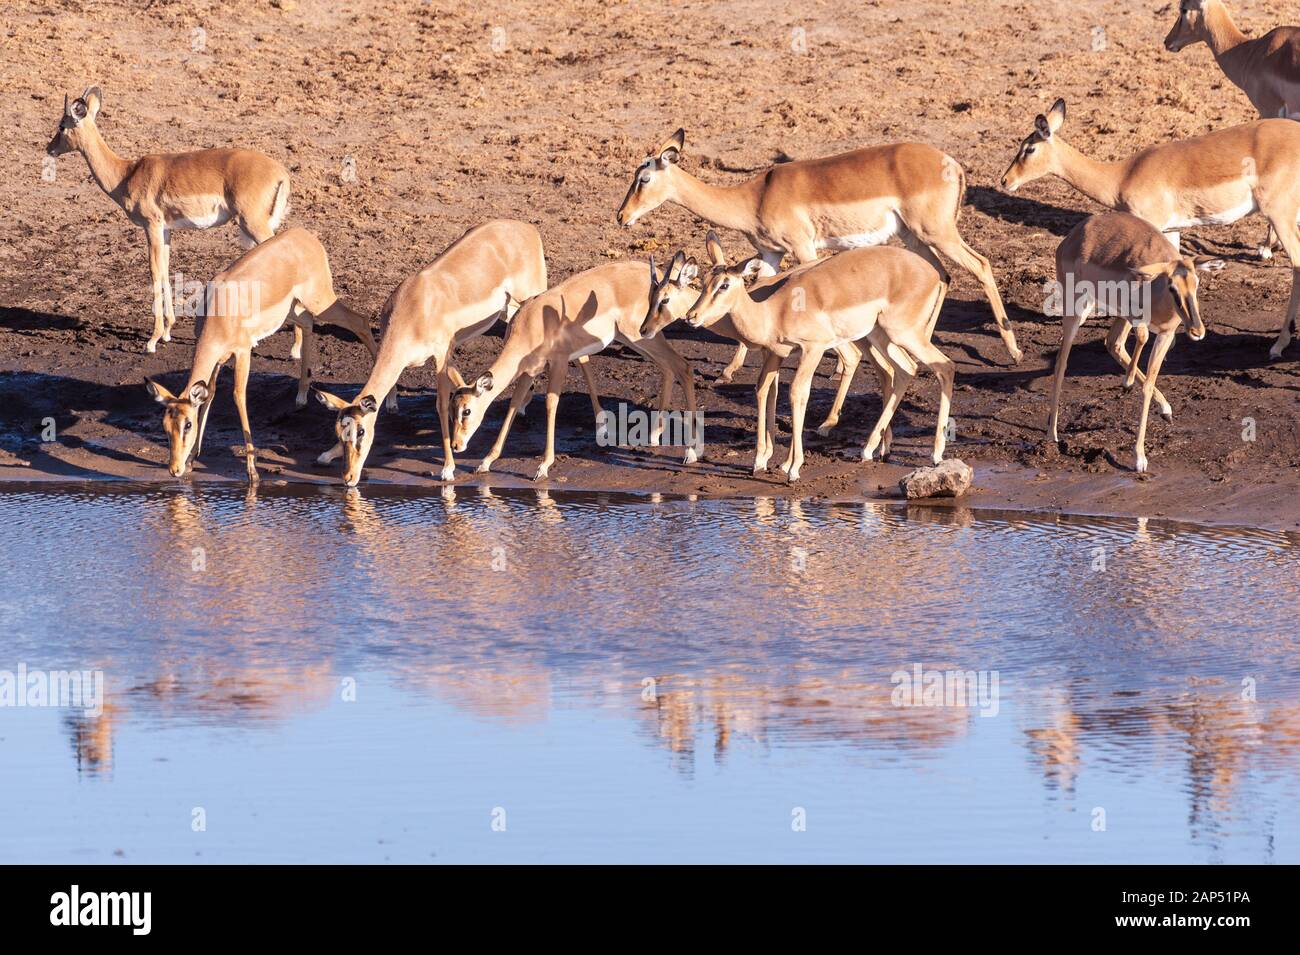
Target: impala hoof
x=1275, y=353
x=1141, y=466
x=448, y=473
x=1264, y=253
x=483, y=468
x=691, y=456
x=868, y=454
x=1167, y=412
x=542, y=472
x=300, y=401
x=151, y=346
x=294, y=353
x=825, y=430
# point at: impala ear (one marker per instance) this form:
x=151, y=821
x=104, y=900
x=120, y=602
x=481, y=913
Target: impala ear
x=78, y=110
x=1056, y=115
x=1042, y=127
x=483, y=385
x=1153, y=271
x=159, y=393
x=751, y=268
x=367, y=404
x=714, y=247
x=689, y=271
x=94, y=99
x=670, y=150
x=655, y=280
x=199, y=392
x=333, y=402
x=675, y=267
x=1207, y=264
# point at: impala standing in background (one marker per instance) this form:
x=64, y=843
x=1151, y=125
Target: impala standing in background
x=162, y=192
x=889, y=296
x=1213, y=179
x=288, y=275
x=581, y=316
x=1266, y=69
x=848, y=201
x=1116, y=249
x=477, y=280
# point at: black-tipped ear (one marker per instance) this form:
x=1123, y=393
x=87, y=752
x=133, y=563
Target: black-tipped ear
x=199, y=392
x=157, y=391
x=1041, y=127
x=368, y=404
x=670, y=150
x=483, y=385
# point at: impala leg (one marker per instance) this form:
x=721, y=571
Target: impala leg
x=203, y=413
x=1115, y=341
x=1069, y=328
x=939, y=363
x=799, y=390
x=902, y=377
x=169, y=304
x=354, y=322
x=157, y=239
x=602, y=425
x=295, y=351
x=955, y=247
x=737, y=362
x=765, y=392
x=448, y=472
x=522, y=392
x=1290, y=239
x=675, y=366
x=307, y=356
x=885, y=374
x=243, y=359
x=554, y=382
x=1131, y=372
x=1265, y=250
x=1163, y=341
x=849, y=358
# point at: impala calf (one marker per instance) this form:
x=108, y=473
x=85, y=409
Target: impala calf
x=1266, y=69
x=162, y=192
x=577, y=318
x=886, y=295
x=1213, y=179
x=287, y=276
x=847, y=201
x=1115, y=249
x=476, y=281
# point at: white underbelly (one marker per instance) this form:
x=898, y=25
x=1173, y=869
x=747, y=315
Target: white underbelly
x=204, y=215
x=592, y=349
x=1225, y=217
x=862, y=240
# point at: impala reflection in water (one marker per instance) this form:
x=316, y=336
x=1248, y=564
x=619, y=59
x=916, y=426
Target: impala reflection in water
x=321, y=675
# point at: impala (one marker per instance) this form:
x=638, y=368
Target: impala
x=1213, y=179
x=847, y=201
x=476, y=281
x=1113, y=249
x=287, y=276
x=162, y=192
x=659, y=315
x=887, y=295
x=577, y=318
x=1266, y=69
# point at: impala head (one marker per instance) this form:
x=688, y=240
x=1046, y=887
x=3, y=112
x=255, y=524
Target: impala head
x=650, y=182
x=1190, y=26
x=669, y=293
x=78, y=115
x=1180, y=279
x=723, y=286
x=1037, y=154
x=355, y=429
x=468, y=405
x=180, y=420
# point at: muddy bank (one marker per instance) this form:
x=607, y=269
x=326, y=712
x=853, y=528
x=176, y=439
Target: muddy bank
x=402, y=125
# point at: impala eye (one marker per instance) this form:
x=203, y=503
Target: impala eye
x=188, y=424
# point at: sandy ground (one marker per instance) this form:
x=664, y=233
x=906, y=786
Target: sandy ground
x=453, y=113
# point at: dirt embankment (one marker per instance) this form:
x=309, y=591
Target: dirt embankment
x=404, y=123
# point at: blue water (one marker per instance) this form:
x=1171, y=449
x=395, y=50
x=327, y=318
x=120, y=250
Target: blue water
x=317, y=675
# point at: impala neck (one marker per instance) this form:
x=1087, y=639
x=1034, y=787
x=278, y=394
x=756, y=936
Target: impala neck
x=1221, y=34
x=108, y=168
x=1098, y=181
x=383, y=377
x=731, y=207
x=750, y=319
